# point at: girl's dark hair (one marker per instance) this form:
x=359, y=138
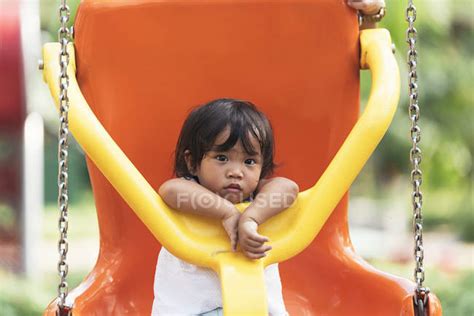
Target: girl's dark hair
x=204, y=123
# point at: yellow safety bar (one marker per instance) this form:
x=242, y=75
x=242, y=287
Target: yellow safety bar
x=290, y=232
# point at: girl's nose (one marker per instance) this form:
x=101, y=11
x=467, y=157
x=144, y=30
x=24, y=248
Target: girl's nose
x=235, y=172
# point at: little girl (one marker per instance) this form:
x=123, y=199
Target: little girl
x=224, y=155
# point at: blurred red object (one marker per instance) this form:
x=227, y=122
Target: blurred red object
x=12, y=96
x=12, y=117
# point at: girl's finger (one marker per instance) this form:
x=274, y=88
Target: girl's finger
x=258, y=250
x=251, y=243
x=233, y=241
x=258, y=238
x=233, y=245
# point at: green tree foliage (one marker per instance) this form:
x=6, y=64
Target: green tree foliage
x=445, y=44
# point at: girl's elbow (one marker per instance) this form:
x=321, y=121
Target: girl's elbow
x=167, y=189
x=296, y=188
x=291, y=186
x=291, y=189
x=163, y=191
x=291, y=193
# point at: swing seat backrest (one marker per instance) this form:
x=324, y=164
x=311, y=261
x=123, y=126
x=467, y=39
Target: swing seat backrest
x=142, y=66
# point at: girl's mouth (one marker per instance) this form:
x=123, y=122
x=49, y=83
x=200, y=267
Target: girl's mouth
x=233, y=188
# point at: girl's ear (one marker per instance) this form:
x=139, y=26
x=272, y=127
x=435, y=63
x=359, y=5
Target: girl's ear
x=189, y=161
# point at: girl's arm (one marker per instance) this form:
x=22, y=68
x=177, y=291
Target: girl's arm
x=274, y=195
x=188, y=196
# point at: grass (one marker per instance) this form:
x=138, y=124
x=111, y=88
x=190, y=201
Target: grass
x=454, y=289
x=23, y=297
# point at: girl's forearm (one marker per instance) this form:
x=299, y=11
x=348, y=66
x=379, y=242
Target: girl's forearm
x=191, y=197
x=275, y=196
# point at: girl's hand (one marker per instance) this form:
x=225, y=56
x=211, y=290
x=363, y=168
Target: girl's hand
x=231, y=224
x=251, y=242
x=367, y=7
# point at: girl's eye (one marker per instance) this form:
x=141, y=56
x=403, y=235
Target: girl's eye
x=221, y=158
x=250, y=161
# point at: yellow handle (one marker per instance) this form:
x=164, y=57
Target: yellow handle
x=242, y=280
x=290, y=232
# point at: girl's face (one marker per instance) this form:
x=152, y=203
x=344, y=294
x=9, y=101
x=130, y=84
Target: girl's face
x=233, y=174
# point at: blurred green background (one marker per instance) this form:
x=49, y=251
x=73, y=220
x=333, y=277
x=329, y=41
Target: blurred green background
x=445, y=69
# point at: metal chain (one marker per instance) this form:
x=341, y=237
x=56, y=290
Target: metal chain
x=421, y=293
x=64, y=37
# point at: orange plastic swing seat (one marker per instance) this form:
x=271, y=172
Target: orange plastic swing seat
x=142, y=65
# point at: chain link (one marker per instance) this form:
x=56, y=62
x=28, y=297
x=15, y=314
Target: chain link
x=421, y=294
x=64, y=37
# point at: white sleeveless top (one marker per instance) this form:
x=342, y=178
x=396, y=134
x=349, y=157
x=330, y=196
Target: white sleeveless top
x=183, y=289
